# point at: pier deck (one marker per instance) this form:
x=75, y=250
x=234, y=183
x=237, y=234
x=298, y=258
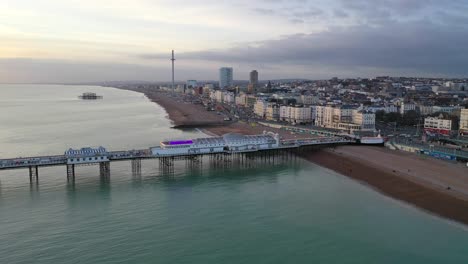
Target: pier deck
x=104, y=159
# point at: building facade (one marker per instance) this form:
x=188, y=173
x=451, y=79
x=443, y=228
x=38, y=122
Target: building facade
x=425, y=110
x=296, y=114
x=260, y=108
x=464, y=121
x=438, y=125
x=229, y=97
x=272, y=112
x=226, y=75
x=309, y=99
x=241, y=99
x=405, y=107
x=445, y=109
x=365, y=119
x=344, y=118
x=253, y=80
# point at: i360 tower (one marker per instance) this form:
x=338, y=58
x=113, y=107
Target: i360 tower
x=173, y=59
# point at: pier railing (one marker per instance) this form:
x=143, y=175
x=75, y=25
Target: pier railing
x=104, y=158
x=434, y=148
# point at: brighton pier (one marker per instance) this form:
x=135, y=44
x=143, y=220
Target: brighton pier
x=228, y=148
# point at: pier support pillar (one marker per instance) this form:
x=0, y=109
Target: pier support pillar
x=104, y=168
x=33, y=173
x=70, y=171
x=166, y=165
x=136, y=166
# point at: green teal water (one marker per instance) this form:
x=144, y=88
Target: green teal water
x=293, y=212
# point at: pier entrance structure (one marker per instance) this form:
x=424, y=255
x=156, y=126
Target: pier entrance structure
x=218, y=148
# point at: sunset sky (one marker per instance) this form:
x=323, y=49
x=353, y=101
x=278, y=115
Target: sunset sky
x=100, y=40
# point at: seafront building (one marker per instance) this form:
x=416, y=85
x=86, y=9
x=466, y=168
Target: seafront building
x=365, y=119
x=222, y=96
x=272, y=112
x=225, y=77
x=464, y=121
x=435, y=125
x=344, y=104
x=260, y=107
x=344, y=118
x=296, y=114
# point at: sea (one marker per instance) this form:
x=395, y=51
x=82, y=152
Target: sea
x=291, y=211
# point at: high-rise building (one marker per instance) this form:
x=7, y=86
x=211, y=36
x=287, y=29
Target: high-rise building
x=253, y=82
x=225, y=77
x=254, y=79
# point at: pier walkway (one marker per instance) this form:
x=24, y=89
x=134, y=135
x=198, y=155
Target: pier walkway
x=102, y=157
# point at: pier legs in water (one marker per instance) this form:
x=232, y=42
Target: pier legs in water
x=70, y=171
x=193, y=162
x=136, y=167
x=33, y=173
x=104, y=169
x=166, y=164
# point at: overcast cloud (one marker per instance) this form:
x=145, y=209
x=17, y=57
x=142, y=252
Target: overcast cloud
x=281, y=39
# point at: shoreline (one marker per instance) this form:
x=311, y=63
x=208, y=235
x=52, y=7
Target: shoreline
x=435, y=186
x=395, y=183
x=190, y=116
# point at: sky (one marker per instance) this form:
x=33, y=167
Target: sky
x=69, y=41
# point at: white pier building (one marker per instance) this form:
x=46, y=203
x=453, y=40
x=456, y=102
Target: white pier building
x=231, y=142
x=86, y=155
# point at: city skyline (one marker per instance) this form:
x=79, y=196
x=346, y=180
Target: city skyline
x=85, y=41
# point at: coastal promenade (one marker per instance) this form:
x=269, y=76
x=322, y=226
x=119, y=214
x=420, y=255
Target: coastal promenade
x=100, y=156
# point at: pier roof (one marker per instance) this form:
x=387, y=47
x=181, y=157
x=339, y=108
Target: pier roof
x=233, y=136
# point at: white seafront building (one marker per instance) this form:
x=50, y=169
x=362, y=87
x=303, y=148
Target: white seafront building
x=438, y=125
x=464, y=121
x=86, y=155
x=260, y=107
x=231, y=142
x=296, y=114
x=344, y=118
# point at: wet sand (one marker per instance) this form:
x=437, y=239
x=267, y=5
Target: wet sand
x=433, y=185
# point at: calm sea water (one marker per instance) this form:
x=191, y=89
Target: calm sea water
x=294, y=212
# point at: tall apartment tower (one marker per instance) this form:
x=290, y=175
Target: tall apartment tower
x=253, y=81
x=225, y=77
